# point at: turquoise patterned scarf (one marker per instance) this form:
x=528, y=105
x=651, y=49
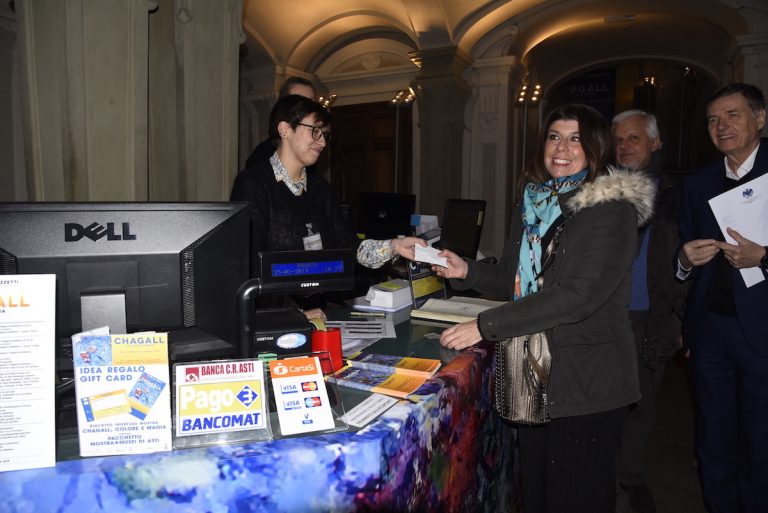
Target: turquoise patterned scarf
x=540, y=210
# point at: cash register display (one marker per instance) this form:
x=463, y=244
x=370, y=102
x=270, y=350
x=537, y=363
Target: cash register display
x=282, y=270
x=305, y=272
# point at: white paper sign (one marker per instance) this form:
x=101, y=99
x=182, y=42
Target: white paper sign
x=370, y=408
x=745, y=209
x=300, y=395
x=27, y=371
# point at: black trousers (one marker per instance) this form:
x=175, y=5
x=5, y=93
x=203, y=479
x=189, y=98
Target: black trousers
x=568, y=465
x=632, y=469
x=732, y=417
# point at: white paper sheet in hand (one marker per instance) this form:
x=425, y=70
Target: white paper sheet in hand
x=745, y=210
x=429, y=255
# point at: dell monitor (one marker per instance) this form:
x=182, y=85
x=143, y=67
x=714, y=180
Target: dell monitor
x=170, y=267
x=384, y=215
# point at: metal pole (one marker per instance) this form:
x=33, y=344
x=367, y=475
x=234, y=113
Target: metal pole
x=525, y=131
x=397, y=142
x=680, y=126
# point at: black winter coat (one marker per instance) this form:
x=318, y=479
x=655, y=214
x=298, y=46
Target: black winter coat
x=666, y=294
x=583, y=306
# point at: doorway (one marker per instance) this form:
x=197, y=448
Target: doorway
x=371, y=151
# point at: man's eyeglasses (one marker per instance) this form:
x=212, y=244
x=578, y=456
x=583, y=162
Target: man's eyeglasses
x=317, y=132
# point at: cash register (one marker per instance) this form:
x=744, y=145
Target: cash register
x=286, y=330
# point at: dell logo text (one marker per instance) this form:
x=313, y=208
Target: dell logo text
x=95, y=231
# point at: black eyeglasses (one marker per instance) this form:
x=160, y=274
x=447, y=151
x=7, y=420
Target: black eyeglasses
x=317, y=132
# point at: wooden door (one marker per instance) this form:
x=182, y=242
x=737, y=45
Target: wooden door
x=364, y=148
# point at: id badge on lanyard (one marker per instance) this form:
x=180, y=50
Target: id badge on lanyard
x=312, y=240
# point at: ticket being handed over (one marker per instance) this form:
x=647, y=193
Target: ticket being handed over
x=429, y=255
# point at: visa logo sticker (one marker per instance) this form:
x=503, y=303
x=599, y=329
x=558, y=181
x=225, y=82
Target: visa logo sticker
x=289, y=389
x=312, y=402
x=292, y=405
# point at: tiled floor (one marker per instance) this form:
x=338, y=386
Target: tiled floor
x=672, y=469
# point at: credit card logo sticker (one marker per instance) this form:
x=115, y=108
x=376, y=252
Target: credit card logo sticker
x=291, y=341
x=293, y=404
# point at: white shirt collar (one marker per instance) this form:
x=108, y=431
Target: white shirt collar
x=744, y=168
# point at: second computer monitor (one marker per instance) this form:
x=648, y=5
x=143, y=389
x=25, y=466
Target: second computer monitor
x=384, y=215
x=462, y=226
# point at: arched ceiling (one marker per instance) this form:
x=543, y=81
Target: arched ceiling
x=555, y=36
x=562, y=39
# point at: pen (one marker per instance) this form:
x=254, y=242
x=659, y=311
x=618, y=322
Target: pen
x=367, y=314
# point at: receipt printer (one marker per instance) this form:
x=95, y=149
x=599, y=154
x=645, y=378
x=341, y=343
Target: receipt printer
x=281, y=331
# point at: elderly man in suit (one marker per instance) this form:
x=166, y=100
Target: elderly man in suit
x=725, y=321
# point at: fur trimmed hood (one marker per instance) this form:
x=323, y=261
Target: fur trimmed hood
x=618, y=185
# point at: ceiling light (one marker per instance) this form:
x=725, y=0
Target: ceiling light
x=403, y=96
x=327, y=101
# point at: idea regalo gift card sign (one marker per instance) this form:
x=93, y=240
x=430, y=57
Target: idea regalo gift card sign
x=300, y=396
x=214, y=398
x=123, y=396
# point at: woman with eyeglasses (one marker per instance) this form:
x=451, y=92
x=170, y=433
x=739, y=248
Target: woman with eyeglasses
x=568, y=195
x=293, y=209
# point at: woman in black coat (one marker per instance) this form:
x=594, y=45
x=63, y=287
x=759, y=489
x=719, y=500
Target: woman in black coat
x=568, y=464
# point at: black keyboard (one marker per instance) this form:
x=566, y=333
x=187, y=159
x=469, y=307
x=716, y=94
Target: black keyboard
x=431, y=234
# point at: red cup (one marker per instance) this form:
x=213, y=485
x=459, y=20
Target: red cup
x=329, y=343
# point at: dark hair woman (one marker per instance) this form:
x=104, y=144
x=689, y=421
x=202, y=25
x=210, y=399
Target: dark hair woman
x=289, y=203
x=568, y=463
x=294, y=209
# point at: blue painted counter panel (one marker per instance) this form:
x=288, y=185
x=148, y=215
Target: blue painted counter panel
x=442, y=450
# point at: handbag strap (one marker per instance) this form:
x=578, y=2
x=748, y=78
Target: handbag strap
x=549, y=253
x=534, y=366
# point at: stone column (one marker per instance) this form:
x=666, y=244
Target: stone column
x=166, y=169
x=208, y=35
x=750, y=57
x=258, y=93
x=91, y=78
x=13, y=185
x=489, y=145
x=84, y=72
x=441, y=95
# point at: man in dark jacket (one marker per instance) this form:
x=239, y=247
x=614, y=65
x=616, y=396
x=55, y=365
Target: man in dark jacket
x=724, y=324
x=657, y=299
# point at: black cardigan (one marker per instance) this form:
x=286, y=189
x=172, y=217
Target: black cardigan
x=279, y=218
